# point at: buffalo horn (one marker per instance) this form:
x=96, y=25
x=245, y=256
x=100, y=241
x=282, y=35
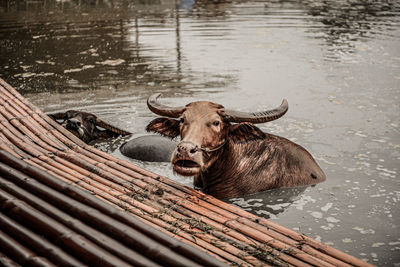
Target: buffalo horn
x=257, y=117
x=111, y=128
x=162, y=110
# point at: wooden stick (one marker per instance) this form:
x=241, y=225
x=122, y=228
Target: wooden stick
x=20, y=253
x=83, y=196
x=37, y=243
x=89, y=252
x=5, y=261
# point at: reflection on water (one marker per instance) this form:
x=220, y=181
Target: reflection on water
x=337, y=62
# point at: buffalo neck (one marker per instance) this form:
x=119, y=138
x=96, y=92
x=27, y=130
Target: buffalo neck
x=213, y=178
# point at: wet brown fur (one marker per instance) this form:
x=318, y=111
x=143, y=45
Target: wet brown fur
x=249, y=161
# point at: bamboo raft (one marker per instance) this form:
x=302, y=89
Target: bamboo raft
x=63, y=202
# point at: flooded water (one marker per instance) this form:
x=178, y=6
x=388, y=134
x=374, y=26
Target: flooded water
x=337, y=63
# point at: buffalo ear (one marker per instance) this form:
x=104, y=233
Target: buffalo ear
x=164, y=126
x=244, y=132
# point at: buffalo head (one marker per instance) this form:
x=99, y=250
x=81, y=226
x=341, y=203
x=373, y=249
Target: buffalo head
x=205, y=128
x=85, y=125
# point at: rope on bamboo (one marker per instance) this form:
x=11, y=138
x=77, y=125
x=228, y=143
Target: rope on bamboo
x=79, y=209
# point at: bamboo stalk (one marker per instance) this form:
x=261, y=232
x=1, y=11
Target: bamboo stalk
x=298, y=244
x=23, y=105
x=130, y=237
x=57, y=199
x=22, y=121
x=20, y=253
x=121, y=215
x=89, y=252
x=97, y=237
x=7, y=262
x=37, y=243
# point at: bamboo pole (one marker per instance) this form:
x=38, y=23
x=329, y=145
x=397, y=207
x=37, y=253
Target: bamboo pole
x=90, y=233
x=89, y=252
x=7, y=262
x=37, y=243
x=125, y=233
x=20, y=253
x=54, y=182
x=25, y=121
x=130, y=237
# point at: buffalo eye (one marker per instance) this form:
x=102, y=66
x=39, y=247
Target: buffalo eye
x=182, y=120
x=216, y=123
x=91, y=120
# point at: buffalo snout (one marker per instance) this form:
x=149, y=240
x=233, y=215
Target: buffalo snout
x=73, y=124
x=187, y=148
x=187, y=159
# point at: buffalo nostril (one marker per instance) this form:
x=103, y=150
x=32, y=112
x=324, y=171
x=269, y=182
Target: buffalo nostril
x=193, y=150
x=74, y=122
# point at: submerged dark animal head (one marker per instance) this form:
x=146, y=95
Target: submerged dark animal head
x=204, y=128
x=85, y=125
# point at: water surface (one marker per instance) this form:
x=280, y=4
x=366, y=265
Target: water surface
x=337, y=63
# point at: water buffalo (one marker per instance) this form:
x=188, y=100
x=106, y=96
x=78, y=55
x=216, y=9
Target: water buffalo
x=227, y=154
x=85, y=125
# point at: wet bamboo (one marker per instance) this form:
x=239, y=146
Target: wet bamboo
x=6, y=147
x=36, y=113
x=28, y=146
x=20, y=253
x=25, y=120
x=288, y=232
x=54, y=132
x=198, y=230
x=21, y=144
x=37, y=243
x=32, y=181
x=116, y=201
x=61, y=202
x=85, y=249
x=90, y=233
x=299, y=244
x=7, y=262
x=95, y=201
x=245, y=243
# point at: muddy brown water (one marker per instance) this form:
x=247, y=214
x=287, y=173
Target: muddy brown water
x=337, y=63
